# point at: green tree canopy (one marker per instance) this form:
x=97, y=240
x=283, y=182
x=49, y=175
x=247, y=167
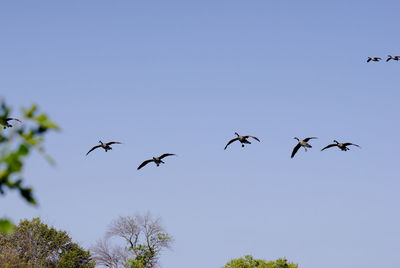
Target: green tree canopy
x=249, y=262
x=35, y=244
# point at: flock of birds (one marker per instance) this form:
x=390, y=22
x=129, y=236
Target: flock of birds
x=396, y=58
x=242, y=139
x=300, y=143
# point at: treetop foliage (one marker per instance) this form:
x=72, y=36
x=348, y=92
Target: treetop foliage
x=35, y=244
x=249, y=262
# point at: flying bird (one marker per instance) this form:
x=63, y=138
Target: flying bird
x=393, y=58
x=156, y=160
x=341, y=146
x=242, y=139
x=373, y=59
x=105, y=146
x=4, y=121
x=302, y=143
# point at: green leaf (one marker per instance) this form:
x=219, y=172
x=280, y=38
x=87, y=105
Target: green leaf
x=23, y=149
x=6, y=227
x=29, y=113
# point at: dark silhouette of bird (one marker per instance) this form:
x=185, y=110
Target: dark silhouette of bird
x=157, y=160
x=396, y=58
x=105, y=146
x=4, y=121
x=242, y=139
x=373, y=59
x=341, y=146
x=302, y=143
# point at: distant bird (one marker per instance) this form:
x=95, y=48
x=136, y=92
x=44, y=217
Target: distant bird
x=341, y=146
x=373, y=59
x=5, y=123
x=105, y=146
x=242, y=139
x=302, y=143
x=156, y=160
x=393, y=58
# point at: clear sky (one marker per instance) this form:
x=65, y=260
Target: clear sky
x=182, y=77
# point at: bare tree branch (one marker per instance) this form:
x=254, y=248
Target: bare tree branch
x=126, y=228
x=104, y=254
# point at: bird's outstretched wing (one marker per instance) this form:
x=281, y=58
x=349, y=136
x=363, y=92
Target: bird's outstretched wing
x=113, y=142
x=388, y=59
x=145, y=163
x=329, y=146
x=309, y=138
x=369, y=59
x=252, y=137
x=349, y=143
x=95, y=147
x=232, y=140
x=15, y=119
x=295, y=149
x=165, y=155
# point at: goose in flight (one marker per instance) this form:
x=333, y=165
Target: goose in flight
x=157, y=160
x=341, y=146
x=393, y=58
x=373, y=59
x=242, y=139
x=5, y=123
x=302, y=143
x=105, y=146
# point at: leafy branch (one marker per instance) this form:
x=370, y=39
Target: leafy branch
x=16, y=142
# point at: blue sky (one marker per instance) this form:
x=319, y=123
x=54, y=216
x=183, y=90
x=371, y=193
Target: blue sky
x=182, y=77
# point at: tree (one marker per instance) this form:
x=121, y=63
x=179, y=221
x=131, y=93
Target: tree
x=249, y=262
x=144, y=238
x=15, y=145
x=35, y=244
